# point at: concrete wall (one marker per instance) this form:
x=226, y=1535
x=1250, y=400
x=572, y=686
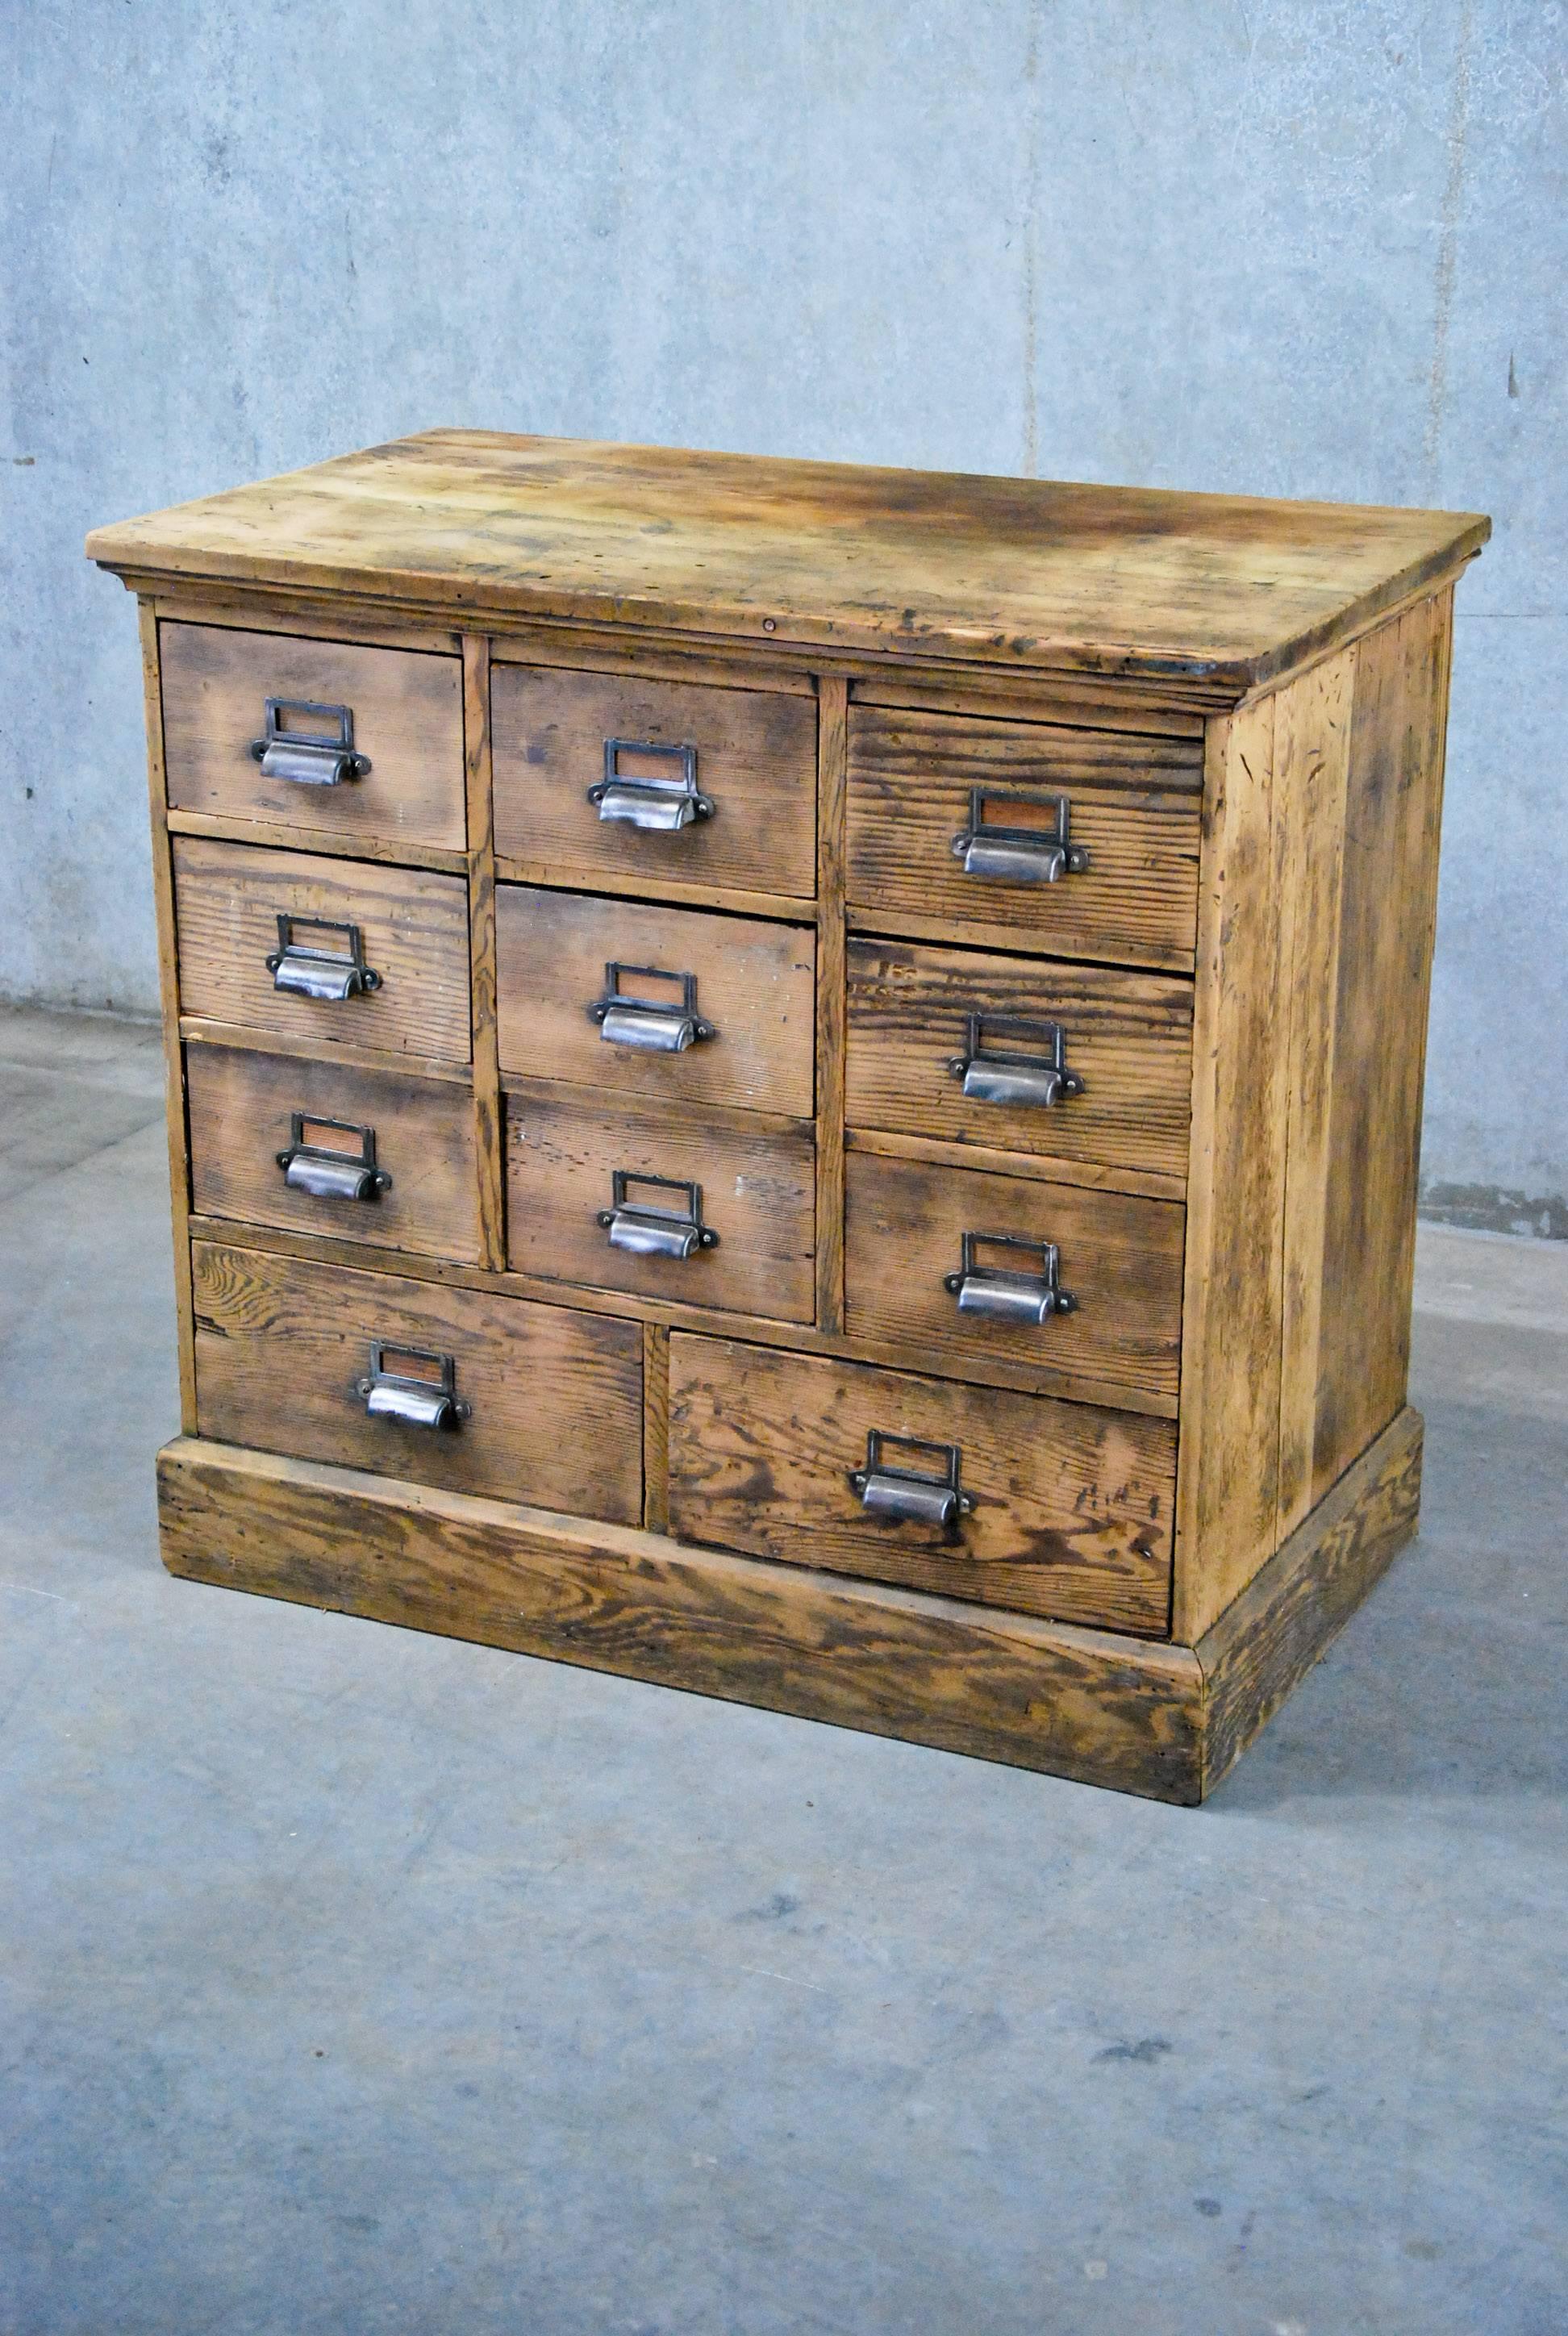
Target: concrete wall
x=1314, y=247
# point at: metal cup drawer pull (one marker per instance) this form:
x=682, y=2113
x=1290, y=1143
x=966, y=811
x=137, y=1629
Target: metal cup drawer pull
x=417, y=1399
x=912, y=1494
x=314, y=972
x=641, y=801
x=999, y=1290
x=326, y=1171
x=311, y=758
x=1032, y=1081
x=650, y=1231
x=1018, y=855
x=656, y=1024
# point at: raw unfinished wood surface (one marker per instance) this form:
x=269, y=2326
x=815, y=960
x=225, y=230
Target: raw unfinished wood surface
x=413, y=928
x=755, y=760
x=1088, y=1704
x=407, y=719
x=755, y=985
x=1133, y=804
x=1121, y=1258
x=1073, y=1505
x=1128, y=1036
x=1020, y=571
x=1243, y=706
x=754, y=1176
x=242, y=1106
x=557, y=1397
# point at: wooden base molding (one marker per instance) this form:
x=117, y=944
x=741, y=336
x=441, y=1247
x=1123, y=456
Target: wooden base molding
x=1163, y=1721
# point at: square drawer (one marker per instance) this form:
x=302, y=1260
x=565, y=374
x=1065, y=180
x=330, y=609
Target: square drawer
x=1071, y=1505
x=286, y=1361
x=919, y=784
x=911, y=1229
x=748, y=753
x=751, y=1186
x=964, y=1047
x=747, y=989
x=324, y=1148
x=410, y=930
x=399, y=710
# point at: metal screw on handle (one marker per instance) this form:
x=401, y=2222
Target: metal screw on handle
x=911, y=1496
x=658, y=805
x=308, y=758
x=1018, y=854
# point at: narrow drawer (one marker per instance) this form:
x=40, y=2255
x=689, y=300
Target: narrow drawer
x=398, y=712
x=321, y=1148
x=908, y=1227
x=1020, y=1055
x=614, y=993
x=323, y=1363
x=919, y=782
x=750, y=754
x=1060, y=1509
x=571, y=1218
x=409, y=929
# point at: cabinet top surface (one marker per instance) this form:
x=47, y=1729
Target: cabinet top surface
x=1032, y=573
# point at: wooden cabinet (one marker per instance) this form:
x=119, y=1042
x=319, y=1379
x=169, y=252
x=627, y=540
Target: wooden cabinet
x=781, y=1077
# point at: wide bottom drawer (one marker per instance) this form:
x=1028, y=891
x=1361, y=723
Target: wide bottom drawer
x=454, y=1387
x=1055, y=1509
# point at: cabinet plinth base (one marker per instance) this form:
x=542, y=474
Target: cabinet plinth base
x=1139, y=1715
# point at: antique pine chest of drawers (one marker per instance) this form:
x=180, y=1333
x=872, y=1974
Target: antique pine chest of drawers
x=797, y=1081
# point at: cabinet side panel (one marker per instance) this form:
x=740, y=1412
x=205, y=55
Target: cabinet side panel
x=1394, y=801
x=1311, y=765
x=1227, y=1474
x=168, y=997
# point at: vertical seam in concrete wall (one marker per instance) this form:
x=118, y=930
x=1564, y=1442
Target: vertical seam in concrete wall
x=1448, y=246
x=1031, y=241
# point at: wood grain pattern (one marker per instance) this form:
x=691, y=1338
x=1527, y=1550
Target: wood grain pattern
x=557, y=1397
x=1073, y=1504
x=1311, y=763
x=320, y=840
x=170, y=1000
x=407, y=711
x=1386, y=917
x=1128, y=1037
x=655, y=1428
x=1121, y=1258
x=307, y=615
x=1102, y=1708
x=414, y=927
x=833, y=754
x=1291, y=1612
x=488, y=1138
x=1045, y=1167
x=757, y=759
x=1228, y=1464
x=1006, y=571
x=241, y=1107
x=755, y=983
x=303, y=1046
x=1079, y=704
x=1132, y=803
x=756, y=1176
x=669, y=891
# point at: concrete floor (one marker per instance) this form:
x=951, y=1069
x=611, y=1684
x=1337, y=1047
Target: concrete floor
x=361, y=1981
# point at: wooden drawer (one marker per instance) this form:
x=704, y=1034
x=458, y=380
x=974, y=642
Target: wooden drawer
x=283, y=1345
x=413, y=933
x=404, y=711
x=1132, y=805
x=1127, y=1037
x=757, y=1195
x=752, y=987
x=1072, y=1505
x=247, y=1110
x=755, y=761
x=1120, y=1259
